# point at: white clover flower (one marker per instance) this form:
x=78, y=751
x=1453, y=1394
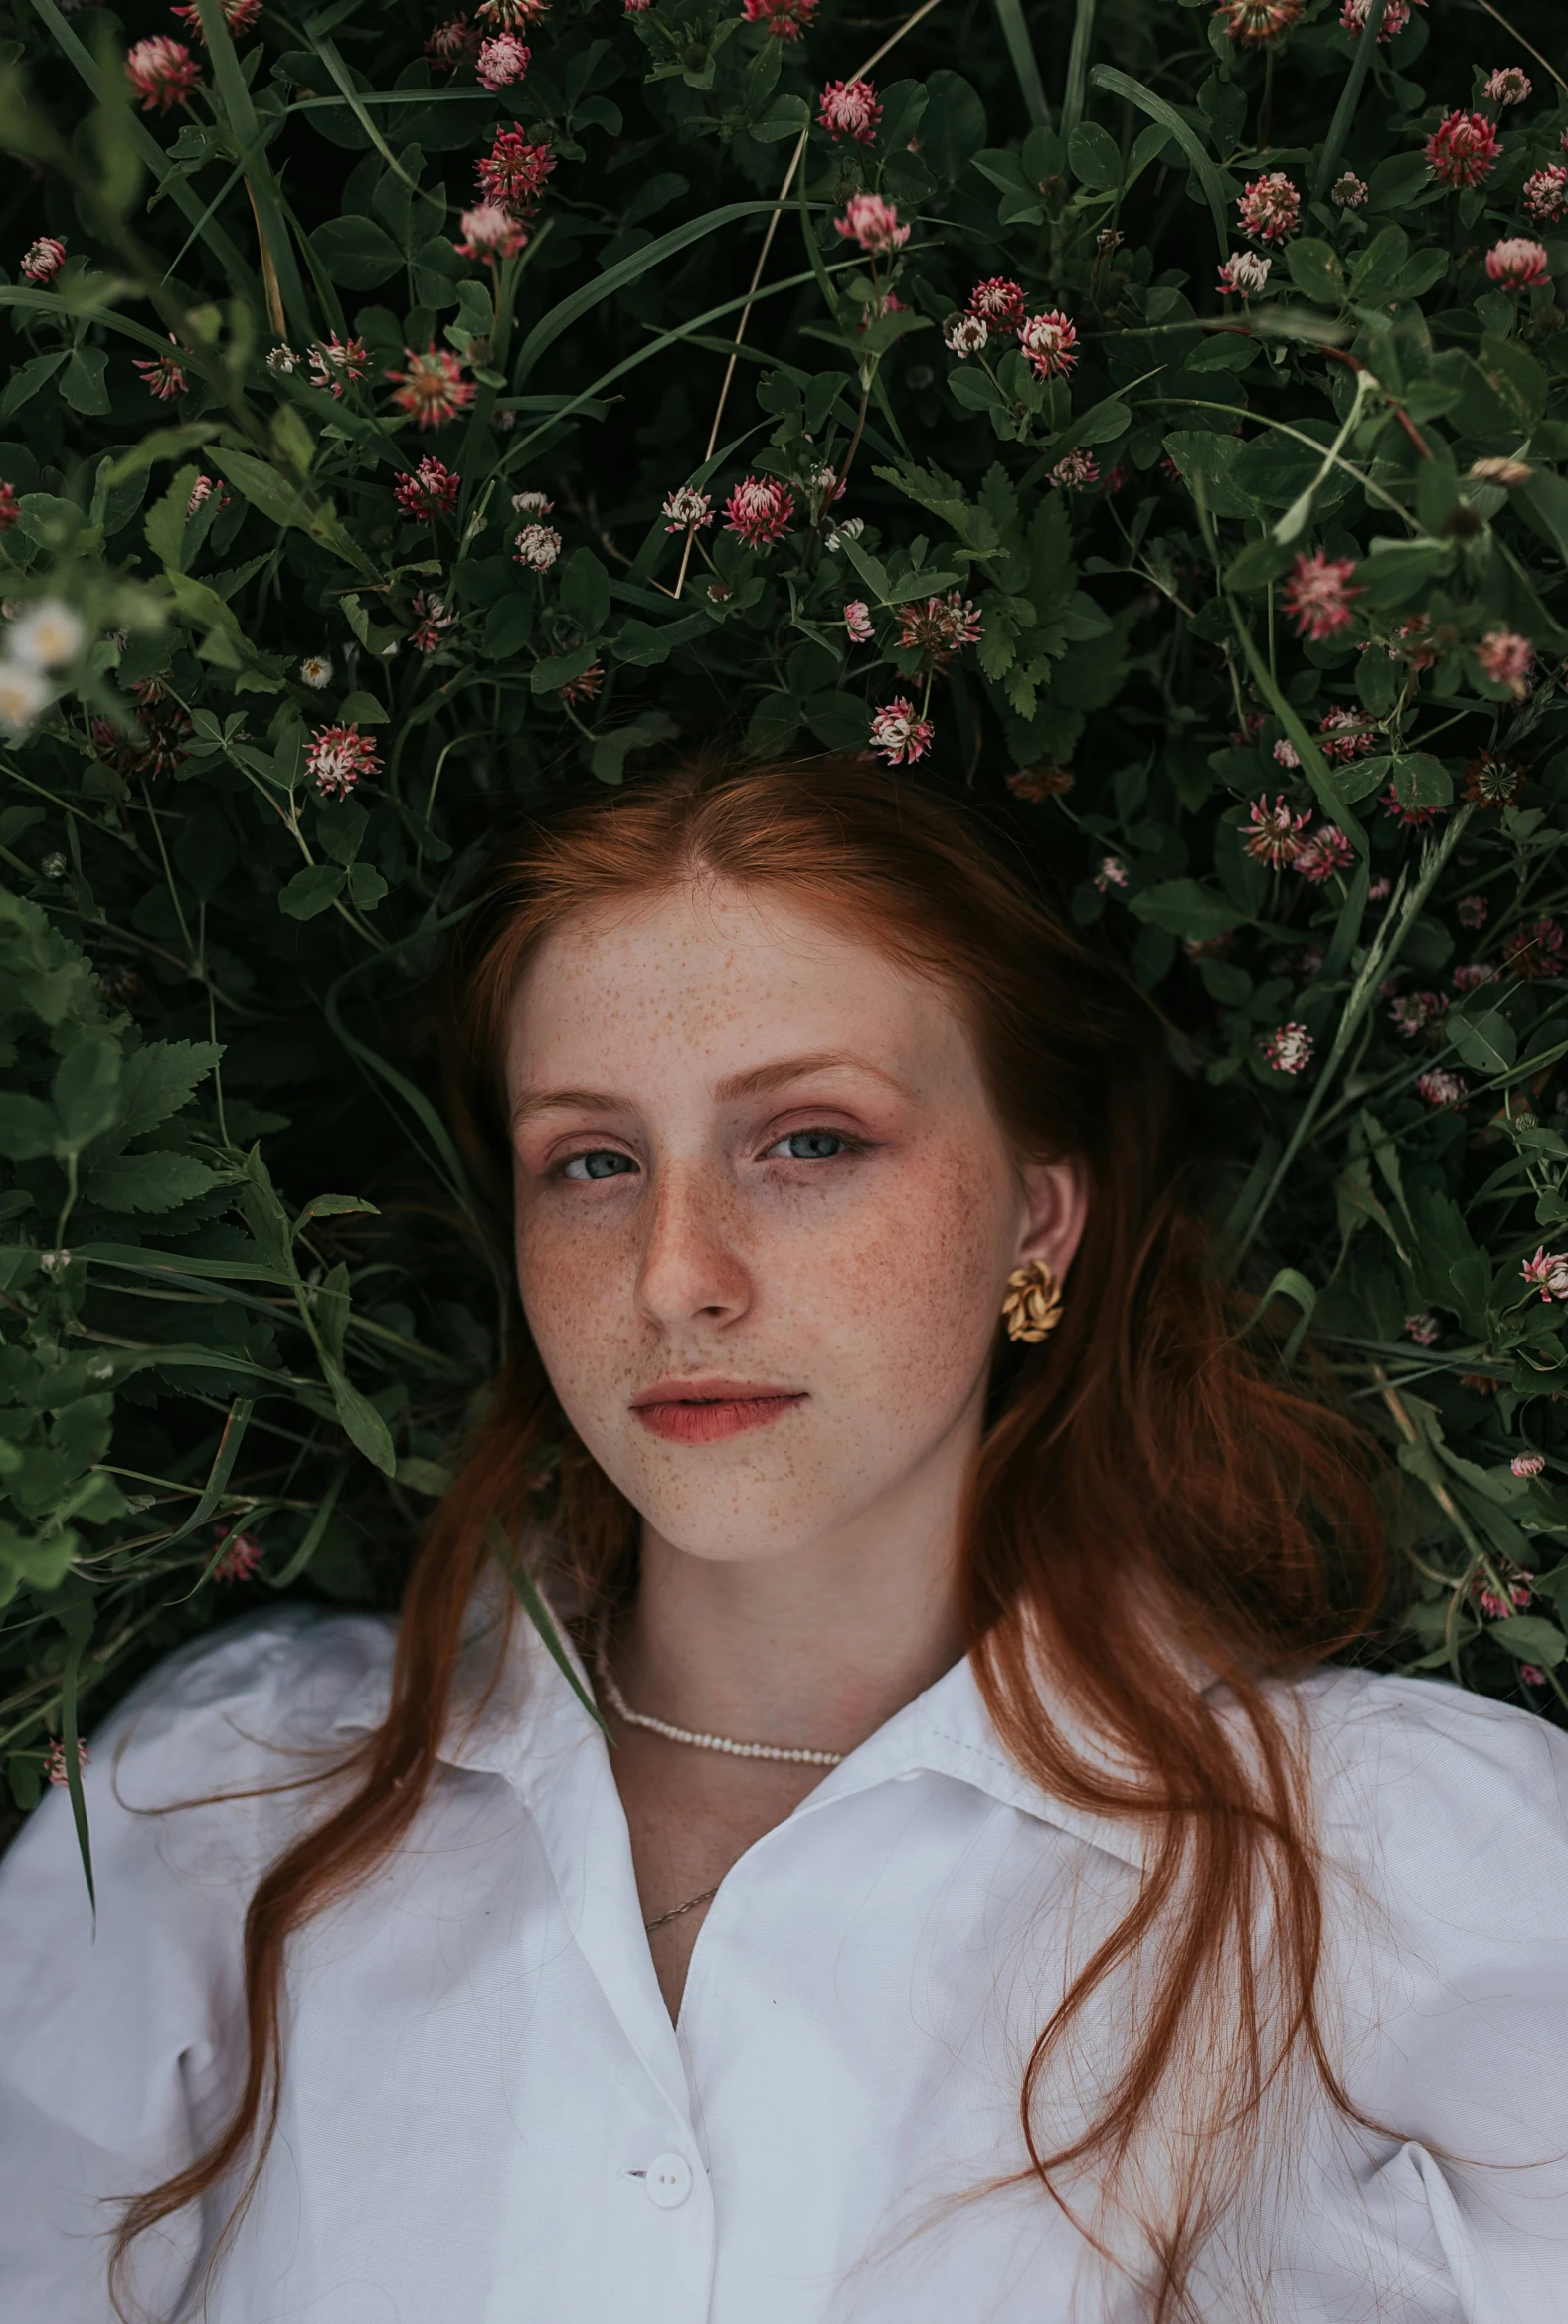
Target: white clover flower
x=533, y=504
x=23, y=694
x=46, y=634
x=52, y=866
x=966, y=334
x=538, y=545
x=1245, y=271
x=682, y=509
x=316, y=670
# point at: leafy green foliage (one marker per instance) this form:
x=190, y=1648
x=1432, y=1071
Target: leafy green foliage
x=334, y=539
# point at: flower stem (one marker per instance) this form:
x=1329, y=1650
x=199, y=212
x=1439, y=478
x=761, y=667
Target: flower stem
x=1349, y=98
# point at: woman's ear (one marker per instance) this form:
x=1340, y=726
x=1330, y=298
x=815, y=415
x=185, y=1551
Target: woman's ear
x=1056, y=1207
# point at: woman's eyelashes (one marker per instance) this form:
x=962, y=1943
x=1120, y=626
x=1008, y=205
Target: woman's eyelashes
x=817, y=1143
x=590, y=1166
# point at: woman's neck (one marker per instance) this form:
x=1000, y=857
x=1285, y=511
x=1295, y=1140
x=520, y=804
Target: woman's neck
x=816, y=1647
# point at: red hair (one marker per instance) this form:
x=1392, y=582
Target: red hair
x=1151, y=1490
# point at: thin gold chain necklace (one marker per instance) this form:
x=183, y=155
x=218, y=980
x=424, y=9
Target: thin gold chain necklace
x=681, y=1911
x=674, y=1735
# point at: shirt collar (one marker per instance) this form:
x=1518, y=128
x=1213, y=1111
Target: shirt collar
x=531, y=1718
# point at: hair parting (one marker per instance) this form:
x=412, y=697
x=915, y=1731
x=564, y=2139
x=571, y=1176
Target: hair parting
x=1153, y=1497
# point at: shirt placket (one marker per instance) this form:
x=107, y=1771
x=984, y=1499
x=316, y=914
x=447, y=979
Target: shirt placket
x=656, y=2257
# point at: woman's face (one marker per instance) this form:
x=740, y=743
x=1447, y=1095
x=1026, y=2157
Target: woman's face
x=765, y=1215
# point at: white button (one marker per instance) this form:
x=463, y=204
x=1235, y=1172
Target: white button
x=668, y=2180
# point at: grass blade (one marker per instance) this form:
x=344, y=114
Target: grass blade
x=79, y=1628
x=1117, y=84
x=1078, y=68
x=528, y=1598
x=667, y=339
x=1015, y=32
x=277, y=250
x=312, y=1541
x=327, y=51
x=621, y=277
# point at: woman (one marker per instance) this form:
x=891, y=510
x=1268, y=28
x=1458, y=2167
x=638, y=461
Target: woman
x=925, y=1871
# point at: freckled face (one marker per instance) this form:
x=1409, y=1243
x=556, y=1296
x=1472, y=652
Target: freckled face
x=754, y=1154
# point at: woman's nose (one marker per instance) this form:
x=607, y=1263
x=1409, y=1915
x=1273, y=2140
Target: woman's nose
x=691, y=1264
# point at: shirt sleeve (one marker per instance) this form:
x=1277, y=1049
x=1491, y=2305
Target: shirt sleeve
x=1457, y=1823
x=121, y=2042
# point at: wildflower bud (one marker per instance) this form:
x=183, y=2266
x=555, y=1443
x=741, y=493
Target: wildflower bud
x=966, y=334
x=162, y=73
x=898, y=734
x=1507, y=85
x=1495, y=469
x=1546, y=193
x=42, y=260
x=1517, y=263
x=873, y=224
x=1463, y=150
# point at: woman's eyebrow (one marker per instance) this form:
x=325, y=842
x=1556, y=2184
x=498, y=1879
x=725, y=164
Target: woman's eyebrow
x=758, y=1081
x=763, y=1078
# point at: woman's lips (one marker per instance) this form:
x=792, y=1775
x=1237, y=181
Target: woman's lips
x=692, y=1421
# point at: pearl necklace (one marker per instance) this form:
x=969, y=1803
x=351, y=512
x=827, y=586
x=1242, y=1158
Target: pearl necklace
x=659, y=1726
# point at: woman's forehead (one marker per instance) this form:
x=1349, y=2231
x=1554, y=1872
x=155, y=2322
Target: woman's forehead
x=731, y=975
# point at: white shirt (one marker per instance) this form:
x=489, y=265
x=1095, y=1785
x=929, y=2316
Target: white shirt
x=487, y=2116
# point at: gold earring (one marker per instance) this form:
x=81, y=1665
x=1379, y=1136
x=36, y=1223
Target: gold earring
x=1033, y=1306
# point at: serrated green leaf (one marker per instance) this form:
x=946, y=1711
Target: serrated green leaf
x=335, y=1207
x=158, y=1079
x=164, y=523
x=86, y=1090
x=148, y=1183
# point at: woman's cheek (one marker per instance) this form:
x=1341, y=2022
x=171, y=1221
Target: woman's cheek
x=910, y=1284
x=569, y=1296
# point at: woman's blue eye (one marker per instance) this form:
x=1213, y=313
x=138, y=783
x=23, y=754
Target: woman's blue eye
x=819, y=1145
x=607, y=1162
x=602, y=1162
